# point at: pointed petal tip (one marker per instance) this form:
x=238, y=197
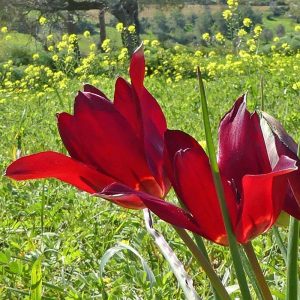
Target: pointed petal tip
x=137, y=68
x=139, y=49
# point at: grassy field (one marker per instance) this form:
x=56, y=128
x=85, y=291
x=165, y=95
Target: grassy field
x=47, y=220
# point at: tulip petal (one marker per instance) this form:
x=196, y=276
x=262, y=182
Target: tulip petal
x=165, y=210
x=292, y=203
x=176, y=140
x=137, y=68
x=279, y=142
x=195, y=186
x=56, y=165
x=100, y=136
x=143, y=111
x=91, y=89
x=127, y=103
x=263, y=200
x=242, y=148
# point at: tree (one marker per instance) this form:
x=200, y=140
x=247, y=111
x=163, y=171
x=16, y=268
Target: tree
x=126, y=11
x=294, y=9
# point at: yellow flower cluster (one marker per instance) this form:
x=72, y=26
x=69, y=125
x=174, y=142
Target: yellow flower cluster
x=206, y=37
x=257, y=31
x=227, y=14
x=106, y=45
x=4, y=29
x=220, y=37
x=42, y=20
x=247, y=22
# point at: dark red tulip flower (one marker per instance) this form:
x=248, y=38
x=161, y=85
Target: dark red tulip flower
x=254, y=190
x=279, y=142
x=107, y=142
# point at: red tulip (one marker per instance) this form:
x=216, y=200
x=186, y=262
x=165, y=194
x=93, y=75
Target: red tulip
x=107, y=142
x=254, y=191
x=279, y=142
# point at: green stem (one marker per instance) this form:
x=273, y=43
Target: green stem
x=237, y=262
x=257, y=271
x=280, y=243
x=262, y=93
x=292, y=266
x=202, y=248
x=204, y=263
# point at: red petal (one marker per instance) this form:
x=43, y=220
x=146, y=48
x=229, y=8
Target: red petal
x=292, y=204
x=127, y=103
x=145, y=108
x=262, y=200
x=166, y=211
x=91, y=89
x=56, y=165
x=196, y=188
x=242, y=148
x=137, y=68
x=176, y=140
x=279, y=142
x=100, y=136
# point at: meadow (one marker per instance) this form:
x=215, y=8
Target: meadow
x=53, y=237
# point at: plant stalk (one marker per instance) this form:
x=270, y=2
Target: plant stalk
x=183, y=279
x=204, y=263
x=237, y=262
x=257, y=271
x=292, y=257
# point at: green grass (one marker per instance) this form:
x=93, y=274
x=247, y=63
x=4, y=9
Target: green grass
x=71, y=231
x=288, y=23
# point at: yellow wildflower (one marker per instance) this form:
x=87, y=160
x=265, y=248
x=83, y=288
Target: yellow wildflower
x=247, y=22
x=276, y=39
x=93, y=47
x=68, y=59
x=120, y=27
x=50, y=37
x=220, y=37
x=55, y=57
x=296, y=86
x=206, y=36
x=35, y=56
x=42, y=20
x=106, y=45
x=198, y=53
x=227, y=14
x=257, y=31
x=232, y=3
x=297, y=28
x=242, y=32
x=4, y=29
x=131, y=29
x=86, y=34
x=154, y=43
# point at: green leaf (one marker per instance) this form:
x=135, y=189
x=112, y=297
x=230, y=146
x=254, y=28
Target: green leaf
x=36, y=280
x=120, y=247
x=3, y=258
x=16, y=267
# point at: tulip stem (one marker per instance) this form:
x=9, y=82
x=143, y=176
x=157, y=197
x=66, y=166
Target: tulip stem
x=292, y=265
x=237, y=262
x=257, y=271
x=262, y=93
x=183, y=279
x=201, y=246
x=204, y=263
